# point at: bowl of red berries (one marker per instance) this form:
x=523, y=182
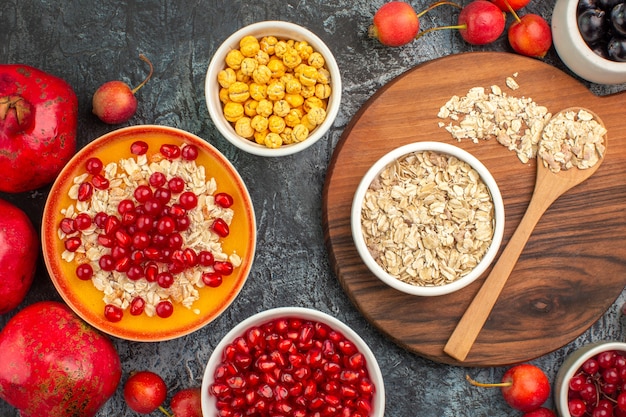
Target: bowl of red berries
x=590, y=38
x=148, y=233
x=292, y=361
x=592, y=381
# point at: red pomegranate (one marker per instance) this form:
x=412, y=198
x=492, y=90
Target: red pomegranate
x=54, y=364
x=19, y=249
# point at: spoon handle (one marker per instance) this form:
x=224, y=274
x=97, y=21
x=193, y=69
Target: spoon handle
x=474, y=318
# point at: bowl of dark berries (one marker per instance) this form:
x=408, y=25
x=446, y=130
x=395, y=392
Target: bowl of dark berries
x=292, y=361
x=590, y=38
x=592, y=381
x=148, y=233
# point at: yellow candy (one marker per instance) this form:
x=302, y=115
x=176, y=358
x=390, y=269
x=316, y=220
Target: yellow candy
x=238, y=92
x=316, y=60
x=243, y=128
x=294, y=100
x=267, y=44
x=275, y=90
x=273, y=140
x=233, y=111
x=224, y=95
x=259, y=123
x=291, y=59
x=304, y=121
x=323, y=76
x=281, y=48
x=308, y=75
x=293, y=118
x=258, y=91
x=262, y=58
x=292, y=85
x=276, y=124
x=249, y=108
x=234, y=58
x=285, y=135
x=313, y=102
x=262, y=74
x=265, y=108
x=277, y=67
x=322, y=91
x=316, y=115
x=308, y=91
x=248, y=65
x=259, y=137
x=304, y=49
x=249, y=46
x=281, y=108
x=241, y=77
x=299, y=133
x=226, y=77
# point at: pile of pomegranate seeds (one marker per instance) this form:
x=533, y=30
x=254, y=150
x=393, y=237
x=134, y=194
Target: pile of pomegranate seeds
x=147, y=230
x=292, y=367
x=598, y=389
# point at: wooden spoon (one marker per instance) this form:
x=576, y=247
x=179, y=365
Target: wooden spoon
x=548, y=187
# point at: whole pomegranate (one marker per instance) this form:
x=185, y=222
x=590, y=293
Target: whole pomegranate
x=38, y=122
x=19, y=249
x=54, y=364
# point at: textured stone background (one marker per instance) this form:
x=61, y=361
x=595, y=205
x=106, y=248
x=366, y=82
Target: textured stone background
x=89, y=42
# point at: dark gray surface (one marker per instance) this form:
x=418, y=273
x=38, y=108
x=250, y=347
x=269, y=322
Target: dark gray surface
x=89, y=42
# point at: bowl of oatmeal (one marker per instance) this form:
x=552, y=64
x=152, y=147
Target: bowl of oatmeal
x=273, y=88
x=295, y=361
x=148, y=233
x=427, y=218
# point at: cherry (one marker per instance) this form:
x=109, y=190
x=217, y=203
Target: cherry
x=187, y=403
x=144, y=392
x=395, y=24
x=506, y=5
x=114, y=102
x=530, y=35
x=540, y=412
x=525, y=387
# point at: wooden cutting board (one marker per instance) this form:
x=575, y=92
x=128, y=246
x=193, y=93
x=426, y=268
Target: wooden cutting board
x=574, y=265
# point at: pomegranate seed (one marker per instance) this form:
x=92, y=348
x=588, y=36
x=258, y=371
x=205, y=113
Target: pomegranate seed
x=85, y=191
x=188, y=200
x=189, y=152
x=223, y=200
x=163, y=195
x=118, y=252
x=144, y=223
x=211, y=279
x=176, y=185
x=164, y=309
x=113, y=313
x=152, y=253
x=153, y=206
x=100, y=182
x=356, y=361
x=72, y=244
x=84, y=272
x=166, y=225
x=106, y=241
x=151, y=271
x=157, y=179
x=123, y=264
x=141, y=240
x=139, y=147
x=125, y=206
x=165, y=279
x=175, y=241
x=83, y=221
x=100, y=218
x=205, y=258
x=111, y=224
x=135, y=272
x=143, y=193
x=223, y=267
x=220, y=227
x=137, y=306
x=67, y=226
x=93, y=165
x=177, y=211
x=122, y=238
x=183, y=224
x=170, y=151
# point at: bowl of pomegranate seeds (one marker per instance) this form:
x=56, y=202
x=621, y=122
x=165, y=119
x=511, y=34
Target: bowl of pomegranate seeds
x=273, y=88
x=293, y=361
x=592, y=381
x=148, y=233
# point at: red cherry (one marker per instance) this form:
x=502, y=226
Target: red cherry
x=144, y=392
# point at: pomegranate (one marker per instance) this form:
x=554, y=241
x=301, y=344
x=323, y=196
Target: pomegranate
x=54, y=364
x=19, y=249
x=38, y=121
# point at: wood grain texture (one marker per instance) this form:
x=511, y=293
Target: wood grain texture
x=574, y=264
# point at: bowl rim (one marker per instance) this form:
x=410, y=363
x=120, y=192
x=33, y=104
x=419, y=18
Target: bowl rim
x=565, y=30
x=276, y=28
x=48, y=229
x=572, y=363
x=376, y=169
x=207, y=402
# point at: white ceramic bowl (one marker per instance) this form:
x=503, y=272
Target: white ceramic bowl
x=209, y=401
x=374, y=172
x=572, y=364
x=575, y=53
x=281, y=30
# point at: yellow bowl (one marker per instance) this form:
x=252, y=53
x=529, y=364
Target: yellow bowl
x=87, y=301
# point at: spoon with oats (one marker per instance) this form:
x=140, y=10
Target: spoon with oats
x=571, y=149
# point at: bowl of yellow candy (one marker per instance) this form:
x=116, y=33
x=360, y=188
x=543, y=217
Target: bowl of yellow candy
x=273, y=88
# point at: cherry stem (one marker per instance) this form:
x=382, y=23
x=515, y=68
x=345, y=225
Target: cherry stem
x=144, y=59
x=437, y=4
x=424, y=32
x=488, y=385
x=512, y=10
x=164, y=411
